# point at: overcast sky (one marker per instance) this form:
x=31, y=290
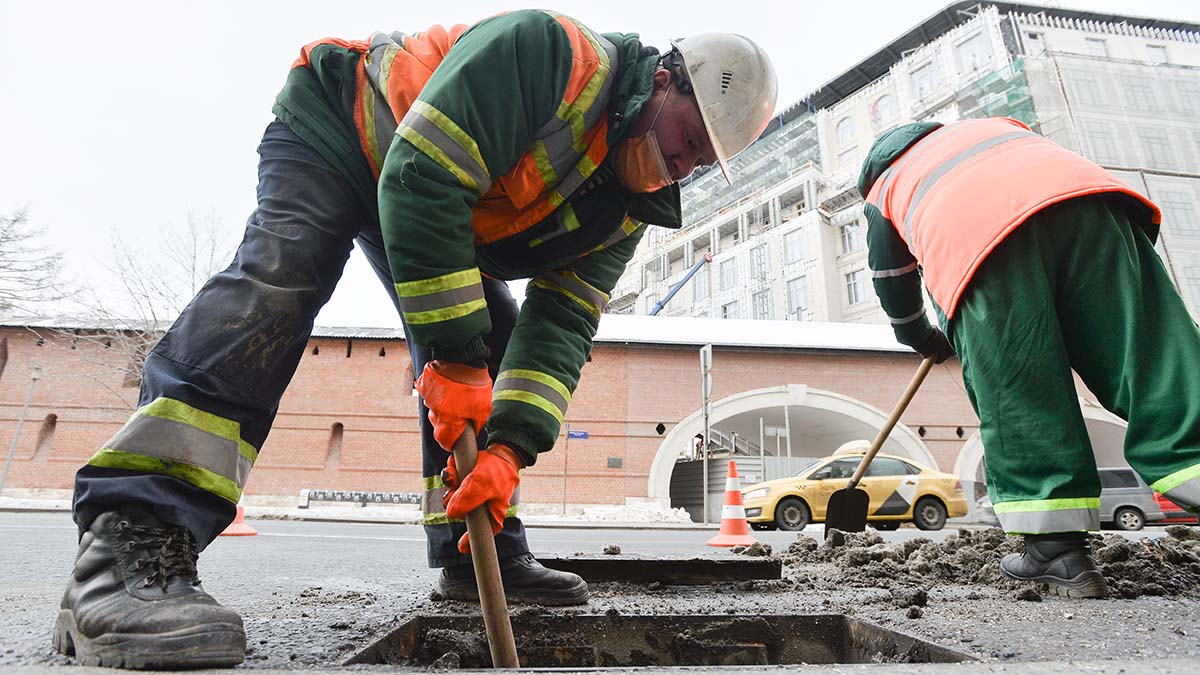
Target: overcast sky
x=127, y=116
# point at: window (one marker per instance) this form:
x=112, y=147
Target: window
x=841, y=468
x=924, y=80
x=973, y=53
x=1191, y=277
x=849, y=158
x=1156, y=148
x=1139, y=94
x=845, y=131
x=728, y=274
x=1179, y=213
x=759, y=266
x=700, y=284
x=1035, y=44
x=1102, y=145
x=851, y=238
x=1189, y=96
x=1156, y=53
x=651, y=301
x=1117, y=478
x=884, y=110
x=856, y=291
x=761, y=305
x=885, y=466
x=797, y=298
x=1096, y=47
x=1087, y=89
x=793, y=246
x=729, y=311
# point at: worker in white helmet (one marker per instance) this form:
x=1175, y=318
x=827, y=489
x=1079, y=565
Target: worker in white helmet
x=525, y=146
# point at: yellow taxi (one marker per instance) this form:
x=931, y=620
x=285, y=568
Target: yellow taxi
x=900, y=491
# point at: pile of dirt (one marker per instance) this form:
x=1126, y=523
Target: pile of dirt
x=757, y=550
x=1168, y=565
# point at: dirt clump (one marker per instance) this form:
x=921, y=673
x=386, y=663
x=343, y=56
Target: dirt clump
x=914, y=613
x=757, y=549
x=1028, y=594
x=612, y=549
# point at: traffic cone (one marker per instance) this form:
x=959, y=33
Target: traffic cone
x=735, y=531
x=239, y=528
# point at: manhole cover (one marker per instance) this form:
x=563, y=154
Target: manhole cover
x=590, y=641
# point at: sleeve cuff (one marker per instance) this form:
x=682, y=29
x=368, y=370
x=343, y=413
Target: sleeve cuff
x=519, y=441
x=472, y=350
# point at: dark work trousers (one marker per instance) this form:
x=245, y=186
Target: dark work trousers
x=235, y=348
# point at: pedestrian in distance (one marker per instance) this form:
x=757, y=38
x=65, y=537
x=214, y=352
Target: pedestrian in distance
x=1039, y=263
x=524, y=146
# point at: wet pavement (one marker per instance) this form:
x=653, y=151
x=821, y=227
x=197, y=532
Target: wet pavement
x=313, y=594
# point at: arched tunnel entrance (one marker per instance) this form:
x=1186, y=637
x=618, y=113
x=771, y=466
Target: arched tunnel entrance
x=771, y=433
x=1105, y=430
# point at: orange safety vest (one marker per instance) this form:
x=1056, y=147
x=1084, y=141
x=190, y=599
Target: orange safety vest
x=955, y=194
x=395, y=67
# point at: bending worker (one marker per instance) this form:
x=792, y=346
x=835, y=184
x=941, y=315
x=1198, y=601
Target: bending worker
x=1038, y=262
x=524, y=146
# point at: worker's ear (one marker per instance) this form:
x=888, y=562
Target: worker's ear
x=662, y=78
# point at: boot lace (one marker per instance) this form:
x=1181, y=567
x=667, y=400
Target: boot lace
x=173, y=553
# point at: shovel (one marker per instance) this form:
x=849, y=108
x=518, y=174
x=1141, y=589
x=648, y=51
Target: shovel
x=847, y=508
x=492, y=602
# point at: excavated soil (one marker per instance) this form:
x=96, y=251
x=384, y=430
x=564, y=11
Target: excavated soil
x=1166, y=566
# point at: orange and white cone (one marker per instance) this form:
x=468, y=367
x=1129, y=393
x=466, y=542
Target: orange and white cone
x=239, y=528
x=735, y=531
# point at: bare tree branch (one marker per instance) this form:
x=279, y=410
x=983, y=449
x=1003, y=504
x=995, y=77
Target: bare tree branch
x=30, y=271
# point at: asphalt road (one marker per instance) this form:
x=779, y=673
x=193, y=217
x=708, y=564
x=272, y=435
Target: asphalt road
x=314, y=592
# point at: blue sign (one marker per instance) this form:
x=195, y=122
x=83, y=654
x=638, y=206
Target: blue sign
x=577, y=434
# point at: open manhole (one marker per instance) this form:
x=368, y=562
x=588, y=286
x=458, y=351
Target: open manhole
x=590, y=641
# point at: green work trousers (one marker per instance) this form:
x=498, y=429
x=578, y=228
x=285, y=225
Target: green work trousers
x=1078, y=287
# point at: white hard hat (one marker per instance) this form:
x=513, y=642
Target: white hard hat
x=735, y=86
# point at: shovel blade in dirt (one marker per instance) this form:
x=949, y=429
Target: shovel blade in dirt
x=847, y=511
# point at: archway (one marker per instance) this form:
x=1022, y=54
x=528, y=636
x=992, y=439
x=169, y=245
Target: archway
x=820, y=421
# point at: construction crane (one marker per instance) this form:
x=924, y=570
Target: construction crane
x=675, y=289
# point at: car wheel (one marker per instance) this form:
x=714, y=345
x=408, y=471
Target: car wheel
x=792, y=515
x=762, y=526
x=1128, y=518
x=929, y=514
x=885, y=525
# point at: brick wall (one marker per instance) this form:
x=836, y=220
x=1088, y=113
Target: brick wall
x=365, y=387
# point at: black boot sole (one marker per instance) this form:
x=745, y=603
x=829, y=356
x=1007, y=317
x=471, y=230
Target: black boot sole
x=468, y=592
x=208, y=646
x=1089, y=584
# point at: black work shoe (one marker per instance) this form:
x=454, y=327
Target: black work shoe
x=525, y=580
x=1063, y=561
x=134, y=600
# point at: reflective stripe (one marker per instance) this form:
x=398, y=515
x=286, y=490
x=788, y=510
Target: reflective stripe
x=170, y=437
x=566, y=221
x=537, y=389
x=628, y=227
x=443, y=519
x=908, y=319
x=732, y=484
x=894, y=272
x=379, y=123
x=541, y=159
x=575, y=178
x=1182, y=486
x=568, y=283
x=947, y=166
x=732, y=512
x=434, y=512
x=1043, y=516
x=439, y=137
x=441, y=298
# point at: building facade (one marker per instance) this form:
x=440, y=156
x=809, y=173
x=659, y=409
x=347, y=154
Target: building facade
x=787, y=239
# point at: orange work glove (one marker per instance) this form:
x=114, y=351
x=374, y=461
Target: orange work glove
x=455, y=393
x=492, y=482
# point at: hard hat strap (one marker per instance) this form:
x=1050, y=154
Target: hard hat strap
x=672, y=61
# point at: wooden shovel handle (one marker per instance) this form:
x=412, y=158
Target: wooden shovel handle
x=487, y=565
x=913, y=386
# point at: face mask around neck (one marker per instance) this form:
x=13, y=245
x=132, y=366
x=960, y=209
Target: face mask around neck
x=639, y=161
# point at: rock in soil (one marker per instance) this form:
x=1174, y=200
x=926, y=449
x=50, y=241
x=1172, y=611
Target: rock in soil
x=914, y=613
x=757, y=549
x=1028, y=594
x=612, y=549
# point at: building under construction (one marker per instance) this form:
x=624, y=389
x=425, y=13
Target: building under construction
x=788, y=237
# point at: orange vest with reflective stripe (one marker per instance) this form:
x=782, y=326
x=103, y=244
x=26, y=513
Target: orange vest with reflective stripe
x=955, y=194
x=395, y=67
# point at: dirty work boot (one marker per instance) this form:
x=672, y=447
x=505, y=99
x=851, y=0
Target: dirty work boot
x=134, y=600
x=1061, y=560
x=525, y=580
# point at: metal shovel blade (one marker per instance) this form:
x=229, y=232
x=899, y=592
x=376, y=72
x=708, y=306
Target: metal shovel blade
x=847, y=511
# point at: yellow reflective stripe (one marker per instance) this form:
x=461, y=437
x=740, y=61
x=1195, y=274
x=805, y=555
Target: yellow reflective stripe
x=178, y=411
x=542, y=160
x=446, y=313
x=443, y=519
x=446, y=282
x=595, y=308
x=435, y=153
x=451, y=129
x=532, y=399
x=432, y=482
x=1047, y=505
x=368, y=104
x=1164, y=485
x=574, y=118
x=536, y=376
x=202, y=478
